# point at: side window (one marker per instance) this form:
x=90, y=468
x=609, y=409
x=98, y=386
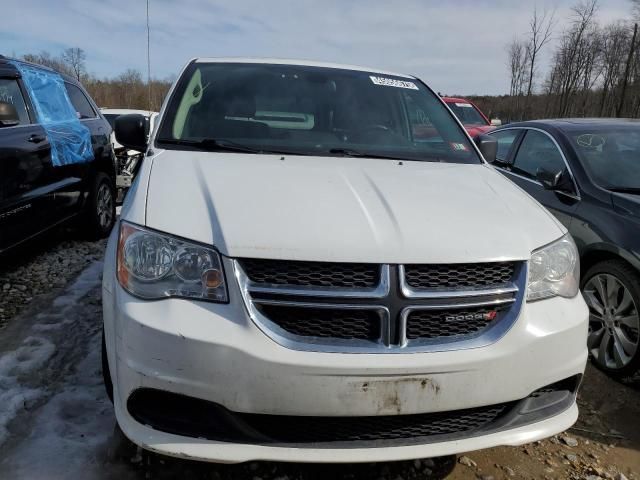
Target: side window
x=80, y=102
x=537, y=150
x=10, y=93
x=505, y=140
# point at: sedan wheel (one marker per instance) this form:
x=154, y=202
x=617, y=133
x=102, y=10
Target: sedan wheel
x=614, y=323
x=104, y=205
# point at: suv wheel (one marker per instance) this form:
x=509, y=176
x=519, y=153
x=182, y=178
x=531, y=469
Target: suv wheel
x=612, y=292
x=101, y=207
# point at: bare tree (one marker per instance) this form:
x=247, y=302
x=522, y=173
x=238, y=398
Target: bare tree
x=575, y=56
x=75, y=58
x=48, y=60
x=540, y=32
x=517, y=51
x=627, y=69
x=635, y=9
x=127, y=90
x=615, y=40
x=517, y=63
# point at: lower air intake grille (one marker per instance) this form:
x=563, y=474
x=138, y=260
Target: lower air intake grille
x=361, y=429
x=325, y=322
x=312, y=274
x=192, y=417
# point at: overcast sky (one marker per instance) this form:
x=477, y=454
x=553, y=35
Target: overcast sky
x=457, y=46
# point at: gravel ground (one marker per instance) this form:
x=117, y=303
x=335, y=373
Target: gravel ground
x=63, y=426
x=43, y=266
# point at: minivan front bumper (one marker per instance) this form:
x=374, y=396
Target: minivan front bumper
x=215, y=353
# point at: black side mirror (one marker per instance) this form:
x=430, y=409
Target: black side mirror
x=488, y=147
x=554, y=180
x=8, y=115
x=131, y=131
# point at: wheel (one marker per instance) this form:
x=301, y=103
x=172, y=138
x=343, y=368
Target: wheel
x=612, y=291
x=106, y=372
x=101, y=207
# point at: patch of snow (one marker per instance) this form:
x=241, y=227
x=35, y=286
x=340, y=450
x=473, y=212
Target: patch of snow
x=14, y=366
x=70, y=434
x=88, y=279
x=18, y=367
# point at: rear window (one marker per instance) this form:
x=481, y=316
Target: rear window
x=313, y=111
x=79, y=101
x=611, y=154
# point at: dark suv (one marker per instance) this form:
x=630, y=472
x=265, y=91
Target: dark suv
x=587, y=173
x=56, y=160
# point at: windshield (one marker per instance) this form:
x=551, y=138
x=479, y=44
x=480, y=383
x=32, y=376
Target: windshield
x=311, y=111
x=467, y=113
x=611, y=155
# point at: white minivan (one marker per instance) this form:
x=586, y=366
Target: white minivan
x=316, y=264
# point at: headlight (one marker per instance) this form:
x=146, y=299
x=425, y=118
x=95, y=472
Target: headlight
x=153, y=265
x=554, y=270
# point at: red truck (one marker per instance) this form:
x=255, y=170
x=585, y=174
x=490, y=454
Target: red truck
x=474, y=121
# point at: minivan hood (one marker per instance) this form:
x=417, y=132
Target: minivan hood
x=344, y=209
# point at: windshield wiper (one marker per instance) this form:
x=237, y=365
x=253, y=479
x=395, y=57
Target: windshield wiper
x=211, y=145
x=222, y=145
x=633, y=190
x=347, y=152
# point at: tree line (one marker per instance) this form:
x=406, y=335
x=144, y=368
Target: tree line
x=594, y=69
x=126, y=90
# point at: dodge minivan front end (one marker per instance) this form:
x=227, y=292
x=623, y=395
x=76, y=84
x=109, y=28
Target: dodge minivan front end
x=310, y=287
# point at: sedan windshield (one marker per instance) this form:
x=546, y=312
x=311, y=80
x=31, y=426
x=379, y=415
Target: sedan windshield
x=467, y=113
x=611, y=155
x=266, y=108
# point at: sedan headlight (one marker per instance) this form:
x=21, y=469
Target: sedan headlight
x=554, y=270
x=154, y=265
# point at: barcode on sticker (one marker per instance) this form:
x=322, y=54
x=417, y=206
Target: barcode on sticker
x=392, y=82
x=458, y=147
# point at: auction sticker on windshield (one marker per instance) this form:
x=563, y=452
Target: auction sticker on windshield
x=392, y=82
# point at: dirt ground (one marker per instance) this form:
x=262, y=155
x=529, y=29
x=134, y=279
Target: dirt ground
x=56, y=423
x=607, y=435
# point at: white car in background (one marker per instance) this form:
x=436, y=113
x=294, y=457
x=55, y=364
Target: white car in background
x=316, y=264
x=112, y=113
x=128, y=160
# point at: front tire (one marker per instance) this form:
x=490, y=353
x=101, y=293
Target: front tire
x=612, y=291
x=101, y=207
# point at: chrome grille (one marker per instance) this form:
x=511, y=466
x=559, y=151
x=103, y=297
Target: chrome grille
x=325, y=322
x=450, y=322
x=312, y=274
x=386, y=316
x=459, y=275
